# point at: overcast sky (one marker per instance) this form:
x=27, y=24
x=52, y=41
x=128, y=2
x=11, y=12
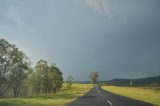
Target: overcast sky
x=117, y=38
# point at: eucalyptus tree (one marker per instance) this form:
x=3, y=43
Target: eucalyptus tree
x=35, y=82
x=46, y=79
x=16, y=75
x=19, y=69
x=56, y=78
x=41, y=69
x=69, y=81
x=5, y=49
x=94, y=76
x=14, y=65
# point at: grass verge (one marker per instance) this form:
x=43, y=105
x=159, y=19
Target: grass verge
x=59, y=99
x=138, y=93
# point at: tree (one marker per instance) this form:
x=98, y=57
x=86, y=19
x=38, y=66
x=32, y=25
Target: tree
x=47, y=79
x=69, y=80
x=41, y=70
x=155, y=86
x=26, y=87
x=19, y=68
x=56, y=79
x=13, y=67
x=35, y=82
x=16, y=75
x=5, y=49
x=94, y=76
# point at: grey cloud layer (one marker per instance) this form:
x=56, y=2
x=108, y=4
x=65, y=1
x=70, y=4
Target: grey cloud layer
x=101, y=6
x=80, y=40
x=8, y=13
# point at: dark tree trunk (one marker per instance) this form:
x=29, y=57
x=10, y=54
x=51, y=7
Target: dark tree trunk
x=15, y=92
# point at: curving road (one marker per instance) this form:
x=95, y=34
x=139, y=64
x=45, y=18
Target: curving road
x=99, y=97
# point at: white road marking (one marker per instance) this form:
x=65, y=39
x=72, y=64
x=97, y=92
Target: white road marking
x=102, y=95
x=109, y=102
x=99, y=91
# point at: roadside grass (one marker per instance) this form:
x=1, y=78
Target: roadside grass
x=59, y=99
x=138, y=93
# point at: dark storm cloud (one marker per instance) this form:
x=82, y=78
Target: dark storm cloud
x=3, y=9
x=80, y=40
x=8, y=13
x=132, y=53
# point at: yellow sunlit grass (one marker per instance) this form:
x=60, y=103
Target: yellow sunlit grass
x=139, y=93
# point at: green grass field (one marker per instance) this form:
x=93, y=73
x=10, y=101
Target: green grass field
x=59, y=99
x=139, y=93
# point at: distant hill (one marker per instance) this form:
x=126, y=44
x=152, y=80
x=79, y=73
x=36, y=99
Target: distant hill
x=136, y=82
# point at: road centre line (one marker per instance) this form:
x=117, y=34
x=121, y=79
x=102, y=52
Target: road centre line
x=102, y=95
x=109, y=102
x=99, y=91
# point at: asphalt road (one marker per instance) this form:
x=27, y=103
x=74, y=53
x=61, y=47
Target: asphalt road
x=99, y=97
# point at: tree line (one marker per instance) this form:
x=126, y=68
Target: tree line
x=19, y=79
